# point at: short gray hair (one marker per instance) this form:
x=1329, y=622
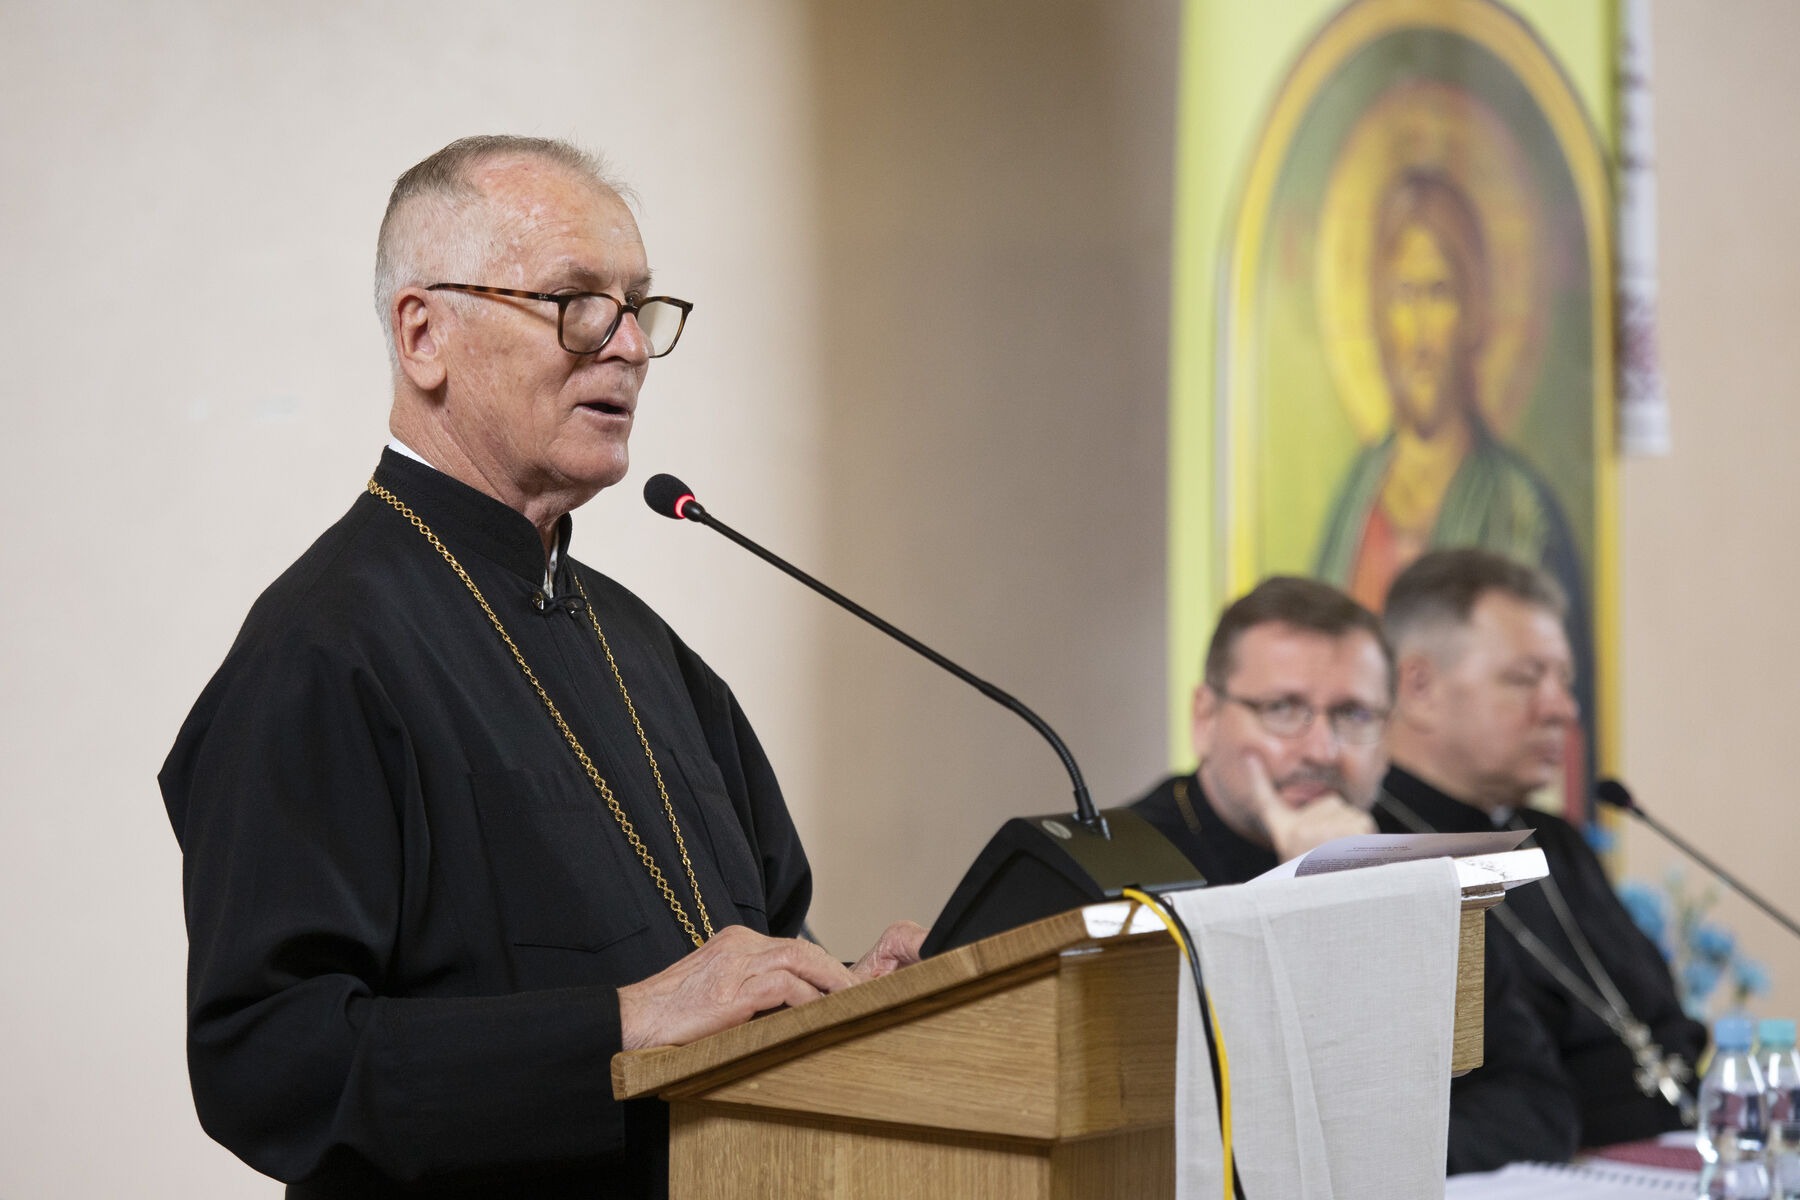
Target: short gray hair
x=1440, y=590
x=444, y=182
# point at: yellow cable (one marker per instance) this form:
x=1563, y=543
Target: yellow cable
x=1156, y=908
x=1224, y=1099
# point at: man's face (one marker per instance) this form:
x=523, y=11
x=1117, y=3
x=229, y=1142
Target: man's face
x=1499, y=704
x=1276, y=661
x=532, y=417
x=1421, y=315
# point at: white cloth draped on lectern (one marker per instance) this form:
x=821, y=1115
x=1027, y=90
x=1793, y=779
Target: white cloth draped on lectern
x=1336, y=997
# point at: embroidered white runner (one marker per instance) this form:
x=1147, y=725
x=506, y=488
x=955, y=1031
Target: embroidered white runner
x=1336, y=997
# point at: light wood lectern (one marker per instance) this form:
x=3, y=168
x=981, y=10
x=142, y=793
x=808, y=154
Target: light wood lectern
x=1036, y=1063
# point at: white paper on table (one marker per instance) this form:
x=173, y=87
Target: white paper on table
x=1376, y=849
x=1574, y=1181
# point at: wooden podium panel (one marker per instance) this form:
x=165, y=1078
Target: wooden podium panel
x=1071, y=1047
x=986, y=1066
x=751, y=1155
x=1036, y=1063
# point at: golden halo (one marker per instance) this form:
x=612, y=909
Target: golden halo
x=1431, y=126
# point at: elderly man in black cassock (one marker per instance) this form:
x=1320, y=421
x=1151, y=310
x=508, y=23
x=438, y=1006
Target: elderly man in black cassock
x=1485, y=707
x=461, y=817
x=1288, y=722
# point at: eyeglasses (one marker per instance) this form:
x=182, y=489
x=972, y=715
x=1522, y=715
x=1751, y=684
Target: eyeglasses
x=1353, y=724
x=586, y=321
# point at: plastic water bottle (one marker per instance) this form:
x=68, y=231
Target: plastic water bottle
x=1732, y=1126
x=1781, y=1080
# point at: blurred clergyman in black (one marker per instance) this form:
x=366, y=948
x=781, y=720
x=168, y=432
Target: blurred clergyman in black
x=1484, y=708
x=1288, y=725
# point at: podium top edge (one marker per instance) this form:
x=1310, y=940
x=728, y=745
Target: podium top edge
x=1016, y=954
x=1013, y=956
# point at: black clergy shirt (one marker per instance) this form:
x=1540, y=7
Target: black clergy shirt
x=408, y=909
x=1600, y=1068
x=1515, y=1106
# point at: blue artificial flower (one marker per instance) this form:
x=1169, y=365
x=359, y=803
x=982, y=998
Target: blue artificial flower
x=1698, y=979
x=1713, y=941
x=1649, y=911
x=1750, y=977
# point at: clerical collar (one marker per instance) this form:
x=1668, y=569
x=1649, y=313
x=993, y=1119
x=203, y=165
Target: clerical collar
x=562, y=530
x=395, y=443
x=472, y=520
x=1439, y=807
x=1441, y=810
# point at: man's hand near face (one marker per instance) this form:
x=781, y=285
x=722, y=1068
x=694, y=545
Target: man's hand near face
x=1294, y=831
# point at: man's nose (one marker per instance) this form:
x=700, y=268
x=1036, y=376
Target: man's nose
x=629, y=340
x=1558, y=701
x=1320, y=742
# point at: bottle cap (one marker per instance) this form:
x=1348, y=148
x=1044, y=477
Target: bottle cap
x=1776, y=1033
x=1732, y=1033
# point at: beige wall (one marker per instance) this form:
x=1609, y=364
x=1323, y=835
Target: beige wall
x=994, y=191
x=195, y=386
x=1712, y=533
x=929, y=247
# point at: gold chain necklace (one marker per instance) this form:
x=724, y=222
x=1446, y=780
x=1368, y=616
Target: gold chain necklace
x=587, y=764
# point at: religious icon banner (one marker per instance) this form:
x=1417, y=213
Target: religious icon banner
x=1393, y=312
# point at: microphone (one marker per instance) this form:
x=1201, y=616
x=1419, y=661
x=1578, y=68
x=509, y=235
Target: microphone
x=1615, y=795
x=669, y=497
x=1022, y=874
x=672, y=498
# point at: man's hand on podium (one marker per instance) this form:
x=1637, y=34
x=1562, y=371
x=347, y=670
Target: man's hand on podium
x=740, y=973
x=1309, y=823
x=736, y=975
x=898, y=946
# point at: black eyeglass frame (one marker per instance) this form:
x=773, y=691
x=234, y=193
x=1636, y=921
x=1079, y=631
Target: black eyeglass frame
x=562, y=300
x=1261, y=709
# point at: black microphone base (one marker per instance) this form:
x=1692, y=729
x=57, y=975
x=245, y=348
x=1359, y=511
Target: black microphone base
x=1036, y=867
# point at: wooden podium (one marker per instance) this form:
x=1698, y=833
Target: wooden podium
x=1036, y=1063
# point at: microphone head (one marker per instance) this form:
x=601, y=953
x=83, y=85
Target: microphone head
x=669, y=496
x=1612, y=792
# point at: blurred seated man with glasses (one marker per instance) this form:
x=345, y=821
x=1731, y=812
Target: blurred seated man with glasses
x=1288, y=727
x=461, y=817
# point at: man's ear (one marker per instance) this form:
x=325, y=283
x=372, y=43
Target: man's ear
x=418, y=341
x=1417, y=691
x=1204, y=714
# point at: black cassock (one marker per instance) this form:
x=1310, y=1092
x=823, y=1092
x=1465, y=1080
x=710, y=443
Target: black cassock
x=408, y=908
x=1601, y=1069
x=1516, y=1105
